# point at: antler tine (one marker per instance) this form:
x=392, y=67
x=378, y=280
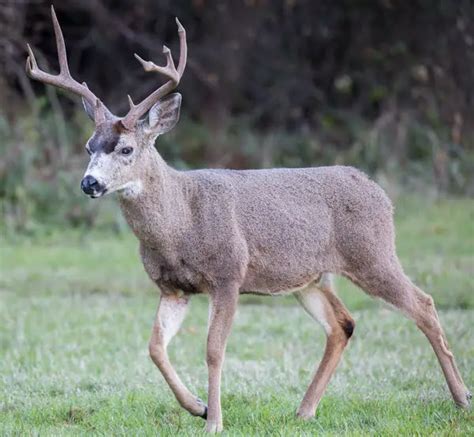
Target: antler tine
x=169, y=70
x=60, y=44
x=30, y=61
x=183, y=48
x=64, y=79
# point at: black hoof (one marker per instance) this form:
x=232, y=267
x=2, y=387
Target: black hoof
x=203, y=415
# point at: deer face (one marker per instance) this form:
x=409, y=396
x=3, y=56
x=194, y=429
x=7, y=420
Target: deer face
x=116, y=153
x=113, y=157
x=117, y=145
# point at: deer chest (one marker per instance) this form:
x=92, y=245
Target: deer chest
x=172, y=272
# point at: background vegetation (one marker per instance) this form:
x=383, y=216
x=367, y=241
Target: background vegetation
x=385, y=85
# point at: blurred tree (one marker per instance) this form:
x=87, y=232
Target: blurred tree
x=285, y=82
x=276, y=62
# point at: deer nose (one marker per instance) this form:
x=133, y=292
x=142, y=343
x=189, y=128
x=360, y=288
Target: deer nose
x=90, y=185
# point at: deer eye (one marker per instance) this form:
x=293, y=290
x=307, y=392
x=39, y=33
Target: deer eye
x=126, y=150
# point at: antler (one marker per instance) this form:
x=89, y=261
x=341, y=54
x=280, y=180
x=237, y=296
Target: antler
x=64, y=79
x=170, y=71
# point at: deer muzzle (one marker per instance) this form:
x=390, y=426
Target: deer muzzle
x=91, y=186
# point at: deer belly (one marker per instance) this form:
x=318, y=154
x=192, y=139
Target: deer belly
x=277, y=282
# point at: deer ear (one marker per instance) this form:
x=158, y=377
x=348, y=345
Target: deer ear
x=88, y=108
x=164, y=115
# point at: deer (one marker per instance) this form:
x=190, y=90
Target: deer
x=224, y=233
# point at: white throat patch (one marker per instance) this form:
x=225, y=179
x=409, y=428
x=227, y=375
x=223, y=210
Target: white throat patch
x=131, y=189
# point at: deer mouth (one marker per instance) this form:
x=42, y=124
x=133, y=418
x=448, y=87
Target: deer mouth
x=98, y=194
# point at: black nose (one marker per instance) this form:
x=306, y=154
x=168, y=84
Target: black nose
x=90, y=185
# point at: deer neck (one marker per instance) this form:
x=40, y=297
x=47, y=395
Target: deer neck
x=155, y=208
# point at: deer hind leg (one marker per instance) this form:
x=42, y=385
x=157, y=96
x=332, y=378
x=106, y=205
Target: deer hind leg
x=321, y=303
x=169, y=317
x=388, y=282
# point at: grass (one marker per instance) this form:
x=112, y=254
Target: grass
x=76, y=311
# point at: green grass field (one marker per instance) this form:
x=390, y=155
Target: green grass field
x=76, y=310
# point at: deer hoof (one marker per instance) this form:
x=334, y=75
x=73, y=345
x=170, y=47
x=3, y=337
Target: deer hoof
x=204, y=414
x=468, y=399
x=465, y=401
x=214, y=427
x=304, y=415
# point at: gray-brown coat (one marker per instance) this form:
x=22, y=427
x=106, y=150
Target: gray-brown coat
x=224, y=233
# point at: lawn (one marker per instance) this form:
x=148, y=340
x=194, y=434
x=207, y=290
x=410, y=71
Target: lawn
x=76, y=310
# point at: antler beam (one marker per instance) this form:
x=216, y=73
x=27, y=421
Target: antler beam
x=169, y=70
x=64, y=79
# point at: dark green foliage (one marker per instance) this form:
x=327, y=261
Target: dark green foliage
x=383, y=85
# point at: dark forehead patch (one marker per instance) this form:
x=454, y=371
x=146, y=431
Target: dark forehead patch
x=105, y=138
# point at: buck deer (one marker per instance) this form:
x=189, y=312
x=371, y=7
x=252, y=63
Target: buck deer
x=226, y=233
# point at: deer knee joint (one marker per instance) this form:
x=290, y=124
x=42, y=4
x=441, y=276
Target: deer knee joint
x=424, y=301
x=213, y=358
x=156, y=352
x=425, y=315
x=429, y=302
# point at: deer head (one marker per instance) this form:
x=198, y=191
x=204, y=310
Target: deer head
x=118, y=143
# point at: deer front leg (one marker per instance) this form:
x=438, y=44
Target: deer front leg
x=223, y=304
x=169, y=317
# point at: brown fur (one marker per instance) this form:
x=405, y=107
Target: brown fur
x=224, y=233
